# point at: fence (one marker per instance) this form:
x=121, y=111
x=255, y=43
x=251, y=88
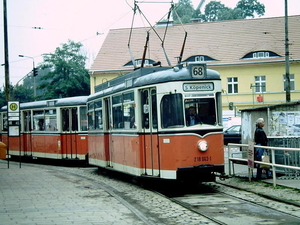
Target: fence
x=286, y=164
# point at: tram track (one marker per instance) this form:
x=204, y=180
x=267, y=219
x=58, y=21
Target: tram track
x=225, y=208
x=207, y=205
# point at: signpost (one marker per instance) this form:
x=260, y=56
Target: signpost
x=13, y=121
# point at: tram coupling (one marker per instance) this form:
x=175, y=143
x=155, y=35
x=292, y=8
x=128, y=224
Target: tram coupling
x=222, y=176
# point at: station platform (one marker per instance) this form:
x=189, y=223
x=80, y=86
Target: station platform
x=242, y=171
x=34, y=195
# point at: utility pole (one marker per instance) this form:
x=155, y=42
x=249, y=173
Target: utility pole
x=6, y=60
x=287, y=57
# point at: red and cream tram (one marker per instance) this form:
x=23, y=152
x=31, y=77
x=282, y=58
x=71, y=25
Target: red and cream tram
x=52, y=129
x=159, y=122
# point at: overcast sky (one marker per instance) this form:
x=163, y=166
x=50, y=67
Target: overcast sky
x=80, y=21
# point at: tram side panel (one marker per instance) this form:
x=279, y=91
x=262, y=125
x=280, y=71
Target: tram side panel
x=97, y=150
x=45, y=146
x=125, y=153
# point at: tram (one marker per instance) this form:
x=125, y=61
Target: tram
x=50, y=129
x=139, y=124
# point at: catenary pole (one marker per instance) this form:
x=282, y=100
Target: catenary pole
x=287, y=56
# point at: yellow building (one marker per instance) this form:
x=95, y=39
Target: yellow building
x=249, y=54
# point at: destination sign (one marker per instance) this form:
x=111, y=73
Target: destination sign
x=198, y=87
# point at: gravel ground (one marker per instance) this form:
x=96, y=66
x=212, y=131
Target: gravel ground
x=262, y=188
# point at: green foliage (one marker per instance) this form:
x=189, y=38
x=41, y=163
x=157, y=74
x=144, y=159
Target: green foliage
x=184, y=12
x=67, y=75
x=250, y=7
x=23, y=93
x=216, y=11
x=2, y=98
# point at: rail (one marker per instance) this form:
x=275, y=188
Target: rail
x=295, y=166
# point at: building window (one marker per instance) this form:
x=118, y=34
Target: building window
x=260, y=84
x=292, y=82
x=232, y=83
x=199, y=59
x=138, y=62
x=260, y=55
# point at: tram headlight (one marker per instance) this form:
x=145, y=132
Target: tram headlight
x=202, y=145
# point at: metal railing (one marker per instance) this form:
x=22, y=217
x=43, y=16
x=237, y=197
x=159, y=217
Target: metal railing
x=290, y=163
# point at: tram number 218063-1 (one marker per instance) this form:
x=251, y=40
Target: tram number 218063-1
x=202, y=159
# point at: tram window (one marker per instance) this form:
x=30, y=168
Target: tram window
x=118, y=117
x=129, y=116
x=98, y=115
x=98, y=119
x=172, y=111
x=27, y=120
x=145, y=113
x=129, y=110
x=117, y=99
x=154, y=108
x=65, y=120
x=83, y=118
x=74, y=119
x=91, y=116
x=98, y=104
x=4, y=122
x=50, y=120
x=91, y=120
x=117, y=112
x=38, y=120
x=203, y=110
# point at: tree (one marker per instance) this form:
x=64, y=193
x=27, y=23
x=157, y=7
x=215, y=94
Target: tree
x=250, y=7
x=3, y=101
x=68, y=76
x=216, y=11
x=184, y=12
x=23, y=93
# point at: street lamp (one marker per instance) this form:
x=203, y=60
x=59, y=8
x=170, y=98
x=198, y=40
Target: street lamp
x=33, y=73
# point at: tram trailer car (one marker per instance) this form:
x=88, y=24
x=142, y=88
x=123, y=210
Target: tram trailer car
x=138, y=124
x=50, y=129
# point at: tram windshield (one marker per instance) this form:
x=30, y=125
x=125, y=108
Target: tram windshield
x=200, y=111
x=177, y=113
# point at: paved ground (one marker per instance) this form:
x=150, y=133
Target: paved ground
x=30, y=195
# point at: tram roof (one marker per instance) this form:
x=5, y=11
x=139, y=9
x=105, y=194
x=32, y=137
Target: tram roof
x=148, y=76
x=79, y=100
x=70, y=101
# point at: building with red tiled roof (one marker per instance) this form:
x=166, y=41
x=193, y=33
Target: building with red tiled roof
x=249, y=54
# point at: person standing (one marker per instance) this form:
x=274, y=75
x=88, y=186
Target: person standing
x=260, y=138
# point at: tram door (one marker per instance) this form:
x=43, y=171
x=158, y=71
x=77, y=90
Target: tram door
x=107, y=132
x=150, y=135
x=69, y=131
x=27, y=137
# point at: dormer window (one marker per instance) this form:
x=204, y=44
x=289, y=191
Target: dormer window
x=199, y=58
x=260, y=55
x=138, y=63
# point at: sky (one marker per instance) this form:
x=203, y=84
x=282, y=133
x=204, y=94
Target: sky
x=86, y=21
